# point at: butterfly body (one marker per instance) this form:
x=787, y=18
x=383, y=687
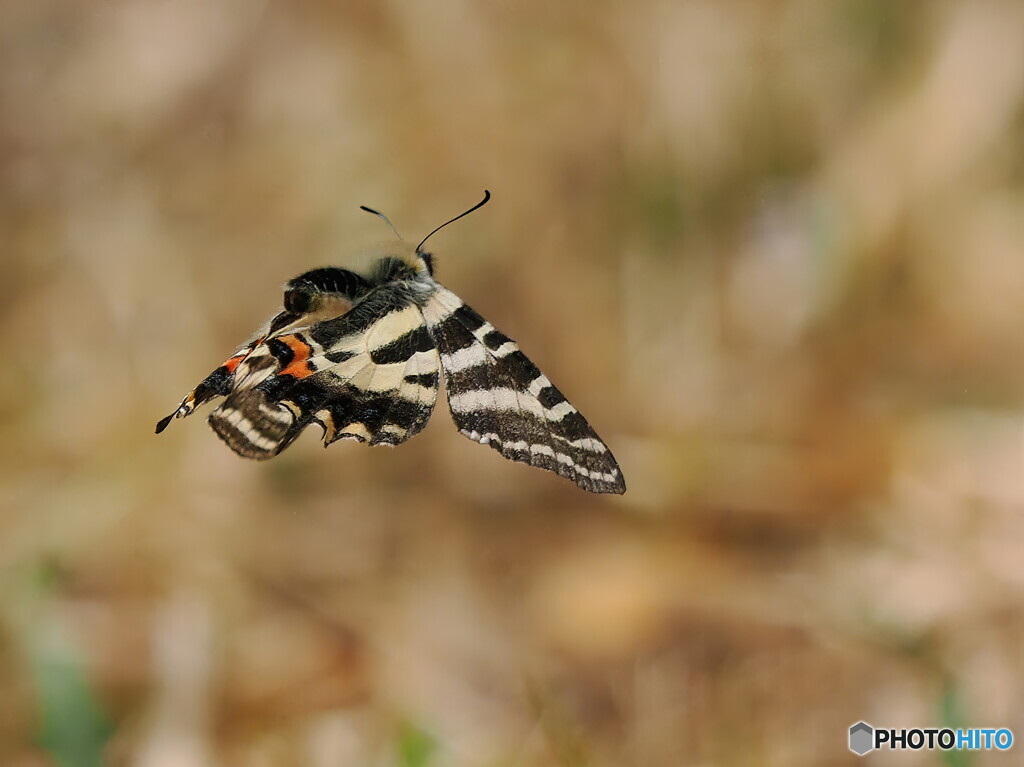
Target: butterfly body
x=361, y=354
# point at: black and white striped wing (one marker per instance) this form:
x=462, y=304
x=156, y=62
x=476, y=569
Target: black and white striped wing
x=376, y=380
x=498, y=397
x=370, y=375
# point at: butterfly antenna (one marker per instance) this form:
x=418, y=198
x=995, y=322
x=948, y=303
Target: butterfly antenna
x=487, y=196
x=384, y=218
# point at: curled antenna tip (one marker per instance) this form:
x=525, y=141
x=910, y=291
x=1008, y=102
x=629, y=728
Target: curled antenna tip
x=487, y=196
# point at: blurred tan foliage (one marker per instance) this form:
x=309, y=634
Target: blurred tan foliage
x=773, y=250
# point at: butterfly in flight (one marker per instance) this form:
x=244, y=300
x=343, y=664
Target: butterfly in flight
x=360, y=355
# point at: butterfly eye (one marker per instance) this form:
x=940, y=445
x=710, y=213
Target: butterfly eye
x=298, y=300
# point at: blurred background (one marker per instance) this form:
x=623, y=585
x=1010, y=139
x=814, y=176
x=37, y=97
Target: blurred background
x=773, y=251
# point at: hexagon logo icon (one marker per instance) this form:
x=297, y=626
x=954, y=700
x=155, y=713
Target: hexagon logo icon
x=862, y=738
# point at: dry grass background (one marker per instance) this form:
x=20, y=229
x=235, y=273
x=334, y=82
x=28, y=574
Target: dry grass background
x=774, y=251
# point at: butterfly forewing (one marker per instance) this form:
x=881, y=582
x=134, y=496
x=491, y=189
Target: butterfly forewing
x=498, y=397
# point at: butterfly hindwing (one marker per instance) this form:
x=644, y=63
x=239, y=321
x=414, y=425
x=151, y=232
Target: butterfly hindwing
x=221, y=381
x=368, y=375
x=498, y=397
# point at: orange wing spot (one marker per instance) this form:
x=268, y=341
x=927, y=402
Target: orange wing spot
x=234, y=362
x=299, y=367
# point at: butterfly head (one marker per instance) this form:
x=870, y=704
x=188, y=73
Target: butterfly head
x=395, y=260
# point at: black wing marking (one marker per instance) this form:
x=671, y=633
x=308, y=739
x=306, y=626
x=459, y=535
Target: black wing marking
x=498, y=397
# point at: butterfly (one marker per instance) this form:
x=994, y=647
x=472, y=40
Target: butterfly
x=360, y=355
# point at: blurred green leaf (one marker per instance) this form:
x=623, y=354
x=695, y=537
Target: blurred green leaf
x=415, y=746
x=73, y=726
x=951, y=715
